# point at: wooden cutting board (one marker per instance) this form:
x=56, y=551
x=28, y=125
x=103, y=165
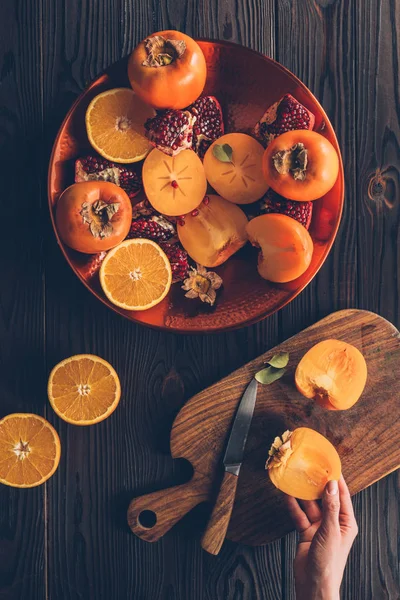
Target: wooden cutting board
x=367, y=436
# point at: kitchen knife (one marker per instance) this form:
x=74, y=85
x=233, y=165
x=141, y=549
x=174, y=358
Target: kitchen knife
x=215, y=533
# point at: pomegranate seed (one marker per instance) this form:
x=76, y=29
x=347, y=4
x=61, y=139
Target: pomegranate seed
x=174, y=184
x=206, y=200
x=195, y=212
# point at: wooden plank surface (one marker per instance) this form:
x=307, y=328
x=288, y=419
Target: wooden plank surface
x=69, y=539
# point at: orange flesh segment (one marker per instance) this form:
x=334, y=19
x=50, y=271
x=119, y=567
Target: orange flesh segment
x=313, y=462
x=334, y=373
x=240, y=181
x=174, y=185
x=84, y=389
x=115, y=125
x=29, y=450
x=286, y=247
x=136, y=275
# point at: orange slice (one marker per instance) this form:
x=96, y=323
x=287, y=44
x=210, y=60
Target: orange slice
x=29, y=450
x=174, y=185
x=136, y=275
x=84, y=389
x=115, y=125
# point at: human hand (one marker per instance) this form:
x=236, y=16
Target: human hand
x=326, y=537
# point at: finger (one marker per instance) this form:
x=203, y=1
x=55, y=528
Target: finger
x=299, y=517
x=312, y=510
x=346, y=505
x=330, y=506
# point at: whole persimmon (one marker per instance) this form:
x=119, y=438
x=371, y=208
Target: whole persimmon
x=332, y=372
x=167, y=70
x=93, y=216
x=301, y=165
x=301, y=462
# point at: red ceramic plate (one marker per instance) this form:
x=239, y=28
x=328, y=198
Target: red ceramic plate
x=246, y=83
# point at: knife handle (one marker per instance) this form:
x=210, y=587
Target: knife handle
x=217, y=526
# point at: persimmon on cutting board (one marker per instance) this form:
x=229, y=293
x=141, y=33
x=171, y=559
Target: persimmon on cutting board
x=233, y=166
x=301, y=462
x=174, y=185
x=332, y=372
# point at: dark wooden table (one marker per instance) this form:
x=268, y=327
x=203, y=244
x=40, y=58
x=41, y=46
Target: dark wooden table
x=68, y=539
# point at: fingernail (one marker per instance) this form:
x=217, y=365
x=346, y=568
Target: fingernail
x=332, y=487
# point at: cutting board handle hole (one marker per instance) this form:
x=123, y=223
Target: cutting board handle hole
x=147, y=519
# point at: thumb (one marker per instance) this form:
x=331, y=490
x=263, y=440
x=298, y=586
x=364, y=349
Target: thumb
x=330, y=506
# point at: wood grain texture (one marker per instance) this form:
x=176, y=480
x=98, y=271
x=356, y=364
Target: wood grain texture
x=346, y=51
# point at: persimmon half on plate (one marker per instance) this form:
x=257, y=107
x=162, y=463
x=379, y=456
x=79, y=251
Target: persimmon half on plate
x=245, y=83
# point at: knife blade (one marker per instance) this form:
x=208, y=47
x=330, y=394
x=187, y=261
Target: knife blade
x=240, y=430
x=217, y=526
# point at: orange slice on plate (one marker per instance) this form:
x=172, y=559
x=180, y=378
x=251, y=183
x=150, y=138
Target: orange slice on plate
x=29, y=450
x=83, y=389
x=115, y=125
x=136, y=275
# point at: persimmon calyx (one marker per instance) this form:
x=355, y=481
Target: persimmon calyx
x=293, y=161
x=98, y=216
x=162, y=52
x=280, y=451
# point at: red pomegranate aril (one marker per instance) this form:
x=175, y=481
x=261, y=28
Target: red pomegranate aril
x=206, y=200
x=209, y=123
x=285, y=115
x=174, y=184
x=274, y=203
x=195, y=212
x=178, y=258
x=97, y=168
x=171, y=131
x=155, y=227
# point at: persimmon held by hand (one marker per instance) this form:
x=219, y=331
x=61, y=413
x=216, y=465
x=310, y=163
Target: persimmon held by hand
x=168, y=70
x=332, y=372
x=301, y=462
x=301, y=165
x=93, y=216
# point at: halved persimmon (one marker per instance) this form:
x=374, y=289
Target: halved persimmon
x=29, y=450
x=233, y=166
x=332, y=372
x=286, y=247
x=301, y=462
x=174, y=185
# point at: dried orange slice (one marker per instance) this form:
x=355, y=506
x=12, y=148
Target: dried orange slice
x=115, y=125
x=84, y=389
x=29, y=450
x=136, y=275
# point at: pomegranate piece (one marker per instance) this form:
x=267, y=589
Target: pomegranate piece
x=209, y=124
x=213, y=232
x=285, y=115
x=171, y=131
x=96, y=168
x=178, y=257
x=154, y=227
x=274, y=203
x=92, y=266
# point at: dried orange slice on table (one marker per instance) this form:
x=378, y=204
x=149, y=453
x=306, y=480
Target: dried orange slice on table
x=136, y=275
x=115, y=125
x=29, y=450
x=84, y=389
